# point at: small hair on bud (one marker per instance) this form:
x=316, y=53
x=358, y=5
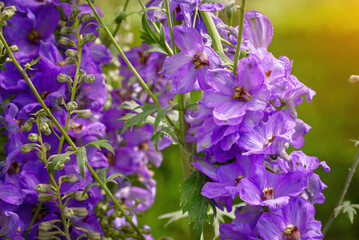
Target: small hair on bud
x=28, y=147
x=28, y=124
x=67, y=30
x=44, y=197
x=43, y=188
x=47, y=146
x=8, y=12
x=71, y=60
x=71, y=178
x=80, y=211
x=44, y=126
x=64, y=78
x=89, y=78
x=14, y=48
x=93, y=235
x=70, y=106
x=86, y=17
x=59, y=166
x=85, y=113
x=71, y=53
x=47, y=132
x=33, y=137
x=67, y=41
x=88, y=38
x=45, y=226
x=80, y=196
x=68, y=212
x=354, y=79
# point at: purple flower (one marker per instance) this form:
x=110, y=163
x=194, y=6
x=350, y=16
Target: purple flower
x=258, y=29
x=293, y=221
x=10, y=226
x=191, y=63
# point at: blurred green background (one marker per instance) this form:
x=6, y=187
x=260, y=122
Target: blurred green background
x=322, y=37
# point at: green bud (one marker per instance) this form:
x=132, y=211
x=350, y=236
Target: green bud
x=28, y=124
x=59, y=166
x=244, y=53
x=44, y=126
x=67, y=30
x=71, y=60
x=71, y=53
x=71, y=178
x=75, y=11
x=67, y=41
x=89, y=78
x=72, y=106
x=43, y=188
x=80, y=211
x=14, y=48
x=47, y=146
x=47, y=132
x=44, y=197
x=27, y=147
x=64, y=78
x=2, y=5
x=88, y=38
x=8, y=12
x=79, y=196
x=68, y=212
x=86, y=17
x=33, y=137
x=85, y=113
x=45, y=226
x=93, y=235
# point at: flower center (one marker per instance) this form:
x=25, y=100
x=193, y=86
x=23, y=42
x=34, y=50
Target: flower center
x=241, y=94
x=34, y=36
x=291, y=232
x=143, y=146
x=178, y=9
x=269, y=140
x=200, y=60
x=14, y=168
x=44, y=95
x=268, y=193
x=76, y=128
x=143, y=57
x=238, y=179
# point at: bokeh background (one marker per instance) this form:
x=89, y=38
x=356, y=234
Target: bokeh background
x=322, y=37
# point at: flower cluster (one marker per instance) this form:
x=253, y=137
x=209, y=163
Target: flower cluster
x=47, y=31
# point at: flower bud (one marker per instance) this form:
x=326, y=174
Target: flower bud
x=75, y=11
x=72, y=106
x=67, y=41
x=80, y=211
x=27, y=147
x=67, y=30
x=89, y=78
x=93, y=235
x=59, y=166
x=71, y=53
x=43, y=188
x=47, y=146
x=47, y=132
x=28, y=124
x=33, y=137
x=354, y=79
x=2, y=5
x=14, y=48
x=64, y=78
x=71, y=60
x=86, y=17
x=44, y=197
x=44, y=126
x=68, y=212
x=88, y=38
x=79, y=196
x=244, y=53
x=71, y=178
x=85, y=113
x=8, y=12
x=45, y=226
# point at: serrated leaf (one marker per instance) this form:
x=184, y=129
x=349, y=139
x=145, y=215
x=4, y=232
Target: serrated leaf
x=225, y=59
x=193, y=202
x=160, y=115
x=81, y=160
x=138, y=119
x=224, y=2
x=115, y=175
x=102, y=174
x=173, y=216
x=101, y=144
x=88, y=186
x=349, y=208
x=58, y=158
x=32, y=63
x=169, y=131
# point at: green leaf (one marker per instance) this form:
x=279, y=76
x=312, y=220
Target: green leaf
x=32, y=63
x=102, y=174
x=81, y=160
x=139, y=119
x=57, y=159
x=224, y=2
x=169, y=131
x=96, y=184
x=194, y=202
x=115, y=175
x=347, y=207
x=101, y=144
x=160, y=115
x=225, y=59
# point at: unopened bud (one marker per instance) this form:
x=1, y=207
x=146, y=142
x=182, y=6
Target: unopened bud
x=89, y=78
x=93, y=235
x=80, y=196
x=27, y=147
x=44, y=126
x=47, y=146
x=2, y=5
x=28, y=124
x=88, y=38
x=72, y=106
x=68, y=212
x=64, y=78
x=43, y=188
x=33, y=137
x=75, y=11
x=44, y=197
x=71, y=60
x=354, y=79
x=45, y=226
x=67, y=30
x=59, y=166
x=85, y=113
x=80, y=211
x=71, y=53
x=8, y=12
x=71, y=178
x=14, y=48
x=86, y=17
x=67, y=41
x=244, y=53
x=47, y=132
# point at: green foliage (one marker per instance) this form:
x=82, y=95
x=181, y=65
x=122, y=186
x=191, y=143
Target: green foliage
x=101, y=144
x=57, y=159
x=32, y=63
x=194, y=202
x=347, y=207
x=226, y=60
x=169, y=131
x=224, y=2
x=81, y=160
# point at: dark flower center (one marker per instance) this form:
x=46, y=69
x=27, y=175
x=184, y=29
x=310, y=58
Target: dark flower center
x=19, y=123
x=34, y=36
x=241, y=94
x=178, y=9
x=44, y=95
x=110, y=158
x=14, y=168
x=268, y=193
x=143, y=57
x=200, y=60
x=76, y=128
x=143, y=146
x=291, y=232
x=270, y=140
x=238, y=179
x=268, y=75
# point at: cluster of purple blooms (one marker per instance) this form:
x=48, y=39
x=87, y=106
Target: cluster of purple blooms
x=35, y=30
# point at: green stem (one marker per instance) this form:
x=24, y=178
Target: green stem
x=212, y=31
x=68, y=139
x=38, y=208
x=169, y=21
x=239, y=38
x=228, y=43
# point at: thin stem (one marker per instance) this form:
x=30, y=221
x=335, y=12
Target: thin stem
x=227, y=42
x=212, y=31
x=68, y=139
x=169, y=21
x=345, y=190
x=38, y=208
x=239, y=38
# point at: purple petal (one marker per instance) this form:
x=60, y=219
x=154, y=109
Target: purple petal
x=270, y=226
x=249, y=75
x=230, y=109
x=222, y=81
x=188, y=40
x=172, y=64
x=184, y=79
x=258, y=29
x=249, y=192
x=291, y=184
x=47, y=21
